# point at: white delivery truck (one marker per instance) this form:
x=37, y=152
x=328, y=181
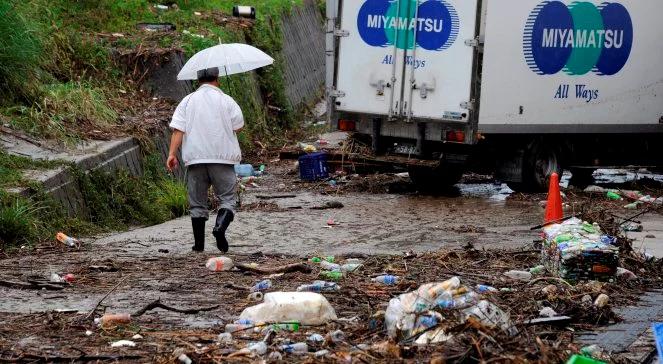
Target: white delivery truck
x=524, y=87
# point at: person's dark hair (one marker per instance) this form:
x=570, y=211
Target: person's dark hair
x=208, y=75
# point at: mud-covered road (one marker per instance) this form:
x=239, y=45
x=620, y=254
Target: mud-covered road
x=280, y=216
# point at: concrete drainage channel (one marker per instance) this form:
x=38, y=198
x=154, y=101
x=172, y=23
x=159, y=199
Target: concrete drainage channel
x=631, y=339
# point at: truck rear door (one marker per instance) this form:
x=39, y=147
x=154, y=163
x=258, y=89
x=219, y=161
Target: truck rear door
x=439, y=60
x=370, y=56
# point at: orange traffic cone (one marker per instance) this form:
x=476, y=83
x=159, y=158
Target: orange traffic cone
x=554, y=205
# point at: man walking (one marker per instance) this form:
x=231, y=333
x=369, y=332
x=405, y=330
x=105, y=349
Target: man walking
x=204, y=124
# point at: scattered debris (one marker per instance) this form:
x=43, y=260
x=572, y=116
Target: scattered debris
x=308, y=308
x=121, y=343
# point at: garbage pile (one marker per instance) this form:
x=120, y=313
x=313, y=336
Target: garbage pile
x=577, y=250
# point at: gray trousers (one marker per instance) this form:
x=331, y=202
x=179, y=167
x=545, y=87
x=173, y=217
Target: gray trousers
x=200, y=176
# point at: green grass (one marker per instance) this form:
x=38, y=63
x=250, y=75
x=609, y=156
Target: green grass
x=12, y=166
x=172, y=195
x=19, y=222
x=20, y=54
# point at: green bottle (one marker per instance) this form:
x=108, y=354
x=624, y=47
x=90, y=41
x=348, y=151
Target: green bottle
x=334, y=276
x=316, y=260
x=286, y=326
x=330, y=259
x=613, y=196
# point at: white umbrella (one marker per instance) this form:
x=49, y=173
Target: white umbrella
x=230, y=58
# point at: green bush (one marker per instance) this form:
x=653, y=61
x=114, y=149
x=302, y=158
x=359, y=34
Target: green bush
x=18, y=222
x=20, y=53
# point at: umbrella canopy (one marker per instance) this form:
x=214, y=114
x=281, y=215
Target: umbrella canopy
x=230, y=58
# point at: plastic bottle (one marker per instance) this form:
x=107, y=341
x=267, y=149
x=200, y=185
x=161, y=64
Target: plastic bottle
x=230, y=328
x=593, y=351
x=110, y=319
x=258, y=348
x=255, y=296
x=275, y=356
x=319, y=286
x=218, y=264
x=387, y=279
x=286, y=326
x=225, y=338
x=67, y=240
x=330, y=266
x=55, y=278
x=295, y=348
x=262, y=285
x=69, y=278
x=350, y=267
x=330, y=258
x=537, y=270
x=613, y=196
x=519, y=275
x=316, y=338
x=601, y=300
x=334, y=276
x=354, y=261
x=482, y=288
x=315, y=260
x=336, y=336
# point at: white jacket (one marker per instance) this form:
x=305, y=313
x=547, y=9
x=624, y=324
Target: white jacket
x=208, y=117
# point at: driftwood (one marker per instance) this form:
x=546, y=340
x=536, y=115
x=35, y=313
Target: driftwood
x=157, y=304
x=269, y=197
x=290, y=268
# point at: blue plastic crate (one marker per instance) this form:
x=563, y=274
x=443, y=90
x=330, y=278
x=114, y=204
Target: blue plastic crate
x=313, y=167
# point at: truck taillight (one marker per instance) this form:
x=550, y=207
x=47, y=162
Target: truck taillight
x=455, y=136
x=346, y=125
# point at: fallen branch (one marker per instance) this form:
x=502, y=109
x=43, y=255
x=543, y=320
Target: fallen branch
x=268, y=197
x=104, y=297
x=290, y=268
x=31, y=285
x=157, y=304
x=549, y=279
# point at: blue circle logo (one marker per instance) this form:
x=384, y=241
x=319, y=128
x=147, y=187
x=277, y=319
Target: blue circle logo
x=578, y=38
x=383, y=23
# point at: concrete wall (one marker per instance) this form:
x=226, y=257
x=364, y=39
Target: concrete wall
x=304, y=53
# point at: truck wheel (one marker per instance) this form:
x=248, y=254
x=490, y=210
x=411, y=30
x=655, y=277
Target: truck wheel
x=432, y=180
x=582, y=177
x=539, y=162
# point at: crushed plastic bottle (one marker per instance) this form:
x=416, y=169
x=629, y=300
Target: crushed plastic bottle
x=632, y=206
x=625, y=274
x=519, y=275
x=224, y=338
x=315, y=260
x=110, y=319
x=547, y=312
x=262, y=286
x=257, y=348
x=316, y=338
x=219, y=264
x=537, y=270
x=330, y=266
x=482, y=288
x=336, y=336
x=350, y=267
x=334, y=276
x=295, y=348
x=67, y=240
x=388, y=279
x=601, y=300
x=235, y=327
x=319, y=286
x=55, y=278
x=321, y=353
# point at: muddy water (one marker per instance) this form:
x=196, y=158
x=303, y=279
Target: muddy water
x=388, y=224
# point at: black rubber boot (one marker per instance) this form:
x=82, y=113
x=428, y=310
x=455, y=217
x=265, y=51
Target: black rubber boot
x=223, y=219
x=198, y=224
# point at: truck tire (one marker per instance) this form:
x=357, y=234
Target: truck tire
x=581, y=177
x=433, y=180
x=539, y=162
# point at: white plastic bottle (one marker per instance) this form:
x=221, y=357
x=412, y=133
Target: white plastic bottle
x=295, y=348
x=519, y=275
